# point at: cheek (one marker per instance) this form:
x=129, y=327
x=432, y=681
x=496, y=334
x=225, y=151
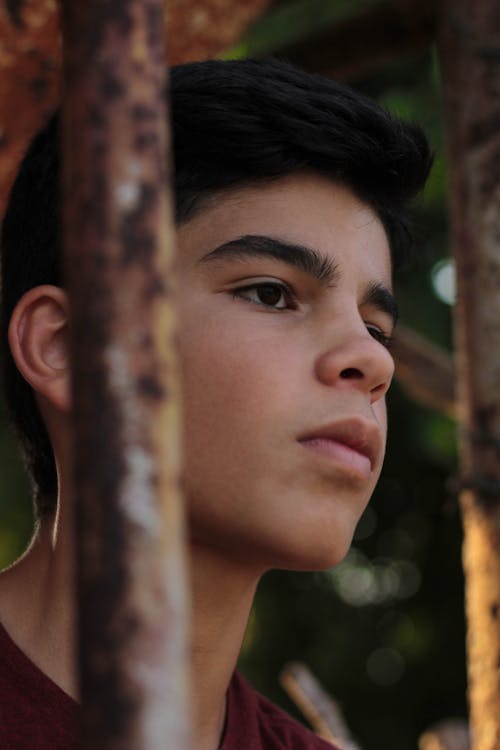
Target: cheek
x=227, y=383
x=231, y=418
x=380, y=411
x=233, y=373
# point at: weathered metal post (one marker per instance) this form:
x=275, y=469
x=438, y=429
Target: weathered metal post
x=119, y=253
x=470, y=55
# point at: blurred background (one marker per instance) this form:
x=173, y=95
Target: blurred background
x=384, y=631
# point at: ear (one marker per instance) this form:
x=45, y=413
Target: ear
x=39, y=343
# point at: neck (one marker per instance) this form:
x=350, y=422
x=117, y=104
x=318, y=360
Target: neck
x=222, y=596
x=37, y=609
x=36, y=600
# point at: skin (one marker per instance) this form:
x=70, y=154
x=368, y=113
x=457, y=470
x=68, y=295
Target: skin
x=259, y=371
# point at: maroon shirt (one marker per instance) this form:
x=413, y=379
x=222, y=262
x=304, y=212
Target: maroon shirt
x=254, y=723
x=35, y=714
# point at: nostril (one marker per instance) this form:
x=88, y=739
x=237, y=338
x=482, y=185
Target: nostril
x=351, y=373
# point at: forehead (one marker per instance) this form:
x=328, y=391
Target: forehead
x=304, y=209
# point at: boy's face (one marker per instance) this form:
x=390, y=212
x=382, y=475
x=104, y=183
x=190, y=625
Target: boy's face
x=265, y=368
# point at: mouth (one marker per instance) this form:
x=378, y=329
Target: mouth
x=352, y=445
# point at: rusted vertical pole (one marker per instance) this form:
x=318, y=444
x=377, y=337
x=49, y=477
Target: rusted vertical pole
x=470, y=55
x=119, y=251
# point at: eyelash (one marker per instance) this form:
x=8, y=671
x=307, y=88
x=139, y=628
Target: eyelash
x=285, y=290
x=375, y=332
x=382, y=338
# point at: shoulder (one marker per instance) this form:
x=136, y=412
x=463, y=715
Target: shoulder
x=255, y=723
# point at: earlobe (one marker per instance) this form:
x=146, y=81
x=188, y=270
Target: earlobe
x=39, y=343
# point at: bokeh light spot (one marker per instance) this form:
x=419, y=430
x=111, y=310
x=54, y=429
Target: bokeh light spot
x=366, y=524
x=443, y=280
x=385, y=666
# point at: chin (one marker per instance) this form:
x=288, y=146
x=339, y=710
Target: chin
x=320, y=555
x=318, y=542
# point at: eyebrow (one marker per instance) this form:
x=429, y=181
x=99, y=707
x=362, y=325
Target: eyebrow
x=306, y=259
x=258, y=246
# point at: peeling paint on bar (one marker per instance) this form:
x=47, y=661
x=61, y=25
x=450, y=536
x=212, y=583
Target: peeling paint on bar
x=138, y=491
x=118, y=237
x=127, y=195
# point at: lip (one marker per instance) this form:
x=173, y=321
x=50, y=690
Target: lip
x=354, y=443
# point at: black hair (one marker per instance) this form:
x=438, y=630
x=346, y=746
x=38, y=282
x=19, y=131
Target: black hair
x=234, y=123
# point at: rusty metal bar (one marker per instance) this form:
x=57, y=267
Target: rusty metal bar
x=425, y=371
x=30, y=60
x=119, y=255
x=450, y=734
x=29, y=85
x=470, y=55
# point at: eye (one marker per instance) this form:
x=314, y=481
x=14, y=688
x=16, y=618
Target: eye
x=380, y=336
x=267, y=294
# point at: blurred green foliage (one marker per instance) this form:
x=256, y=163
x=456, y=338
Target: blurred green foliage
x=292, y=21
x=16, y=518
x=384, y=631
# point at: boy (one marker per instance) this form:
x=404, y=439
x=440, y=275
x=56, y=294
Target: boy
x=289, y=190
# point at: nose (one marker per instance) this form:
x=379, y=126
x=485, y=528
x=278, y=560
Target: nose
x=354, y=359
